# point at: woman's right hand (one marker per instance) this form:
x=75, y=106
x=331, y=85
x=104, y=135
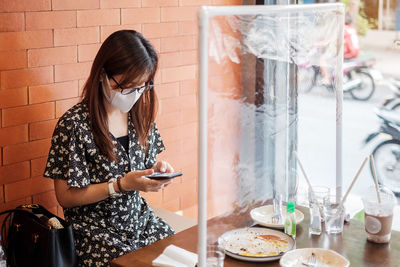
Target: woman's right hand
x=136, y=180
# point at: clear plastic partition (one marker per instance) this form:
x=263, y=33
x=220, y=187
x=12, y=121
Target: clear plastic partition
x=270, y=84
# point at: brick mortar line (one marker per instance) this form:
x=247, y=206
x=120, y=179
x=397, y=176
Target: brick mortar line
x=27, y=97
x=24, y=20
x=29, y=135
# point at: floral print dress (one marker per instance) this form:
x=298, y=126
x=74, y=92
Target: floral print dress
x=116, y=225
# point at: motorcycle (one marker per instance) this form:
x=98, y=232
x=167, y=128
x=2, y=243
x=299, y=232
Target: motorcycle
x=387, y=152
x=359, y=77
x=393, y=102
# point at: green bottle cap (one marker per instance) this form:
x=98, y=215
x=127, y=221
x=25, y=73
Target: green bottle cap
x=290, y=206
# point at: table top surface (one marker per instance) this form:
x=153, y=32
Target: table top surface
x=352, y=244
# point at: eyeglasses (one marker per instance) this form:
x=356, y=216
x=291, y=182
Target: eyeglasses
x=140, y=89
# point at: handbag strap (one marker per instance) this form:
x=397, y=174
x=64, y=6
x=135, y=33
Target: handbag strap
x=39, y=209
x=35, y=209
x=22, y=211
x=11, y=212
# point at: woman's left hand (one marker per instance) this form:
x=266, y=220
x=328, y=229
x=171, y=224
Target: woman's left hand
x=163, y=166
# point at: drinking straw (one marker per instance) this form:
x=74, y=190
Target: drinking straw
x=371, y=159
x=304, y=174
x=313, y=196
x=354, y=180
x=348, y=191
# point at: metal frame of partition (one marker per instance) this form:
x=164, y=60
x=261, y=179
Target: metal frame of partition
x=205, y=14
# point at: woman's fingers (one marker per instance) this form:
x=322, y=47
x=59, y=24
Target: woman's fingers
x=169, y=168
x=164, y=166
x=155, y=185
x=139, y=181
x=143, y=173
x=136, y=180
x=166, y=183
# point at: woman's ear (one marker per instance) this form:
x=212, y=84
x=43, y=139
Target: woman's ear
x=103, y=77
x=103, y=74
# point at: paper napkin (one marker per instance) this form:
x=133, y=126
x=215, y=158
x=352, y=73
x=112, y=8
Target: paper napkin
x=174, y=256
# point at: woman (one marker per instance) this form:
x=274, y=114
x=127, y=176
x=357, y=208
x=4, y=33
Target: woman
x=104, y=146
x=351, y=44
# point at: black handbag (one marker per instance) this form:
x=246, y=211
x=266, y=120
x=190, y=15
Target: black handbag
x=28, y=240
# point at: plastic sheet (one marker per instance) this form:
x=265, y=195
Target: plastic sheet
x=301, y=38
x=270, y=84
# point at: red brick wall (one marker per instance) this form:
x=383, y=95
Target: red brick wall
x=46, y=51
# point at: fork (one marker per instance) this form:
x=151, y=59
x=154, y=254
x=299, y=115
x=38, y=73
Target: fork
x=312, y=261
x=277, y=210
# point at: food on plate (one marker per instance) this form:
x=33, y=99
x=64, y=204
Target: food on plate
x=324, y=258
x=256, y=245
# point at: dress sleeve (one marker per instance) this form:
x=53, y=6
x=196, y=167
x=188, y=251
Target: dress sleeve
x=156, y=146
x=66, y=158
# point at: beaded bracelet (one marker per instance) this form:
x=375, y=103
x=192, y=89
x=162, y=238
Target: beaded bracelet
x=121, y=190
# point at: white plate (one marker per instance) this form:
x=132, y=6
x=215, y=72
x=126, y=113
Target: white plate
x=325, y=258
x=263, y=216
x=239, y=242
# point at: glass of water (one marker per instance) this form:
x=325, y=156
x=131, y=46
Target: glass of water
x=316, y=203
x=215, y=256
x=334, y=215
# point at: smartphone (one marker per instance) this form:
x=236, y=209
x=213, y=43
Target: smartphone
x=163, y=175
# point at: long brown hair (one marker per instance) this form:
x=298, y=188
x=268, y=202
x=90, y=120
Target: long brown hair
x=129, y=54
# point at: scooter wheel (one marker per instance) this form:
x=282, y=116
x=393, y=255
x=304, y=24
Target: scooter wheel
x=387, y=164
x=396, y=107
x=367, y=87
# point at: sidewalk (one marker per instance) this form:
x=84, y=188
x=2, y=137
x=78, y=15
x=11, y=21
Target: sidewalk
x=387, y=53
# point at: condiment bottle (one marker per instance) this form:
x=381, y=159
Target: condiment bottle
x=290, y=221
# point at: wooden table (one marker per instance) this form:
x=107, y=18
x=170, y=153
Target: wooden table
x=352, y=244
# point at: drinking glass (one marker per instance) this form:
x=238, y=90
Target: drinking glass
x=316, y=208
x=334, y=215
x=215, y=256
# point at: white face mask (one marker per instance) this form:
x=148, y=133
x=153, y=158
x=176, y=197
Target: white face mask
x=118, y=100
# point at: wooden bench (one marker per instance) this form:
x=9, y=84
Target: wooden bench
x=176, y=221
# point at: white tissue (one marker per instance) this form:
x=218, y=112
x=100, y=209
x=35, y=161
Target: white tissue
x=174, y=256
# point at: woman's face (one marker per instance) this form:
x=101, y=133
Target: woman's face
x=115, y=83
x=119, y=95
